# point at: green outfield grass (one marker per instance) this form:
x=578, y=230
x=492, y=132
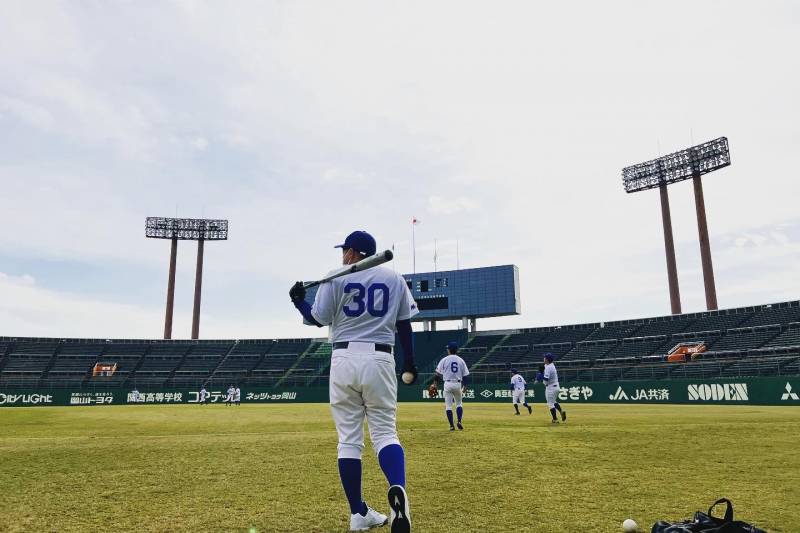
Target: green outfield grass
x=272, y=468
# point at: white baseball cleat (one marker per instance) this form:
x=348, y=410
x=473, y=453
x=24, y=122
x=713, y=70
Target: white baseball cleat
x=400, y=517
x=372, y=519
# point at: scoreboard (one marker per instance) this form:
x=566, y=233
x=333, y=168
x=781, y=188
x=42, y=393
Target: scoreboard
x=466, y=293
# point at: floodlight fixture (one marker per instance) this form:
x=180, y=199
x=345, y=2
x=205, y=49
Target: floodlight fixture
x=185, y=229
x=682, y=165
x=689, y=163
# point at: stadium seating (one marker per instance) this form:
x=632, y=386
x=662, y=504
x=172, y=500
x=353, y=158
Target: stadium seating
x=590, y=350
x=789, y=337
x=662, y=327
x=567, y=334
x=25, y=362
x=743, y=339
x=718, y=322
x=612, y=332
x=775, y=314
x=640, y=347
x=750, y=341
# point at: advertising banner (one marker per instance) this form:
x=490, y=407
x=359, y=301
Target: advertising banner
x=733, y=391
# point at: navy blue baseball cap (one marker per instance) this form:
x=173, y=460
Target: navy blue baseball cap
x=452, y=346
x=548, y=355
x=360, y=241
x=513, y=370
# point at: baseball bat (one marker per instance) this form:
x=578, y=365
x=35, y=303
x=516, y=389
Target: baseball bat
x=368, y=262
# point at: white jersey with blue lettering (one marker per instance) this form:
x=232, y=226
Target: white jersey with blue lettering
x=518, y=382
x=550, y=375
x=364, y=306
x=452, y=368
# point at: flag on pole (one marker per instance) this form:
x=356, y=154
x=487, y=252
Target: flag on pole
x=415, y=221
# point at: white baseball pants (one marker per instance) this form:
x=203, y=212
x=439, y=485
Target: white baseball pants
x=452, y=394
x=518, y=396
x=551, y=395
x=363, y=385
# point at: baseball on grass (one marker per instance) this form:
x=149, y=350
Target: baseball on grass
x=629, y=526
x=407, y=377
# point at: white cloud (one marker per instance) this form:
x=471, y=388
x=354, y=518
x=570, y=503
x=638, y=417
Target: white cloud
x=32, y=114
x=439, y=205
x=25, y=280
x=343, y=177
x=199, y=143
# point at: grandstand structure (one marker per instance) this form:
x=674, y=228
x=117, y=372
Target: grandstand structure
x=747, y=341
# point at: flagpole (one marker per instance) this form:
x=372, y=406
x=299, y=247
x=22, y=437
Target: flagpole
x=458, y=266
x=434, y=254
x=414, y=245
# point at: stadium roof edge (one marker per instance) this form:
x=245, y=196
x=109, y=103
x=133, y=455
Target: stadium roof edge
x=700, y=314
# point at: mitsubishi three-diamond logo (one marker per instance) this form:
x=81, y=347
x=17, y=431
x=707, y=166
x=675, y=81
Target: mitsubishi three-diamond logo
x=789, y=394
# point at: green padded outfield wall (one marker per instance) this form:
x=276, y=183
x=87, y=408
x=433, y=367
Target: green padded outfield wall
x=753, y=391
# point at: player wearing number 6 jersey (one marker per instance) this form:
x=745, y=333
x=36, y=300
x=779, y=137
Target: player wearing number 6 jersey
x=453, y=371
x=363, y=310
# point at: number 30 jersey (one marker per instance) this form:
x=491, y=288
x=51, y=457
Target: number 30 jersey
x=364, y=306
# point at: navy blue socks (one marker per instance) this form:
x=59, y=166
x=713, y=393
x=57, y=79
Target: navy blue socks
x=350, y=474
x=393, y=464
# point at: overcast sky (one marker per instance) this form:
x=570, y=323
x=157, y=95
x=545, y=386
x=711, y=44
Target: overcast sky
x=500, y=125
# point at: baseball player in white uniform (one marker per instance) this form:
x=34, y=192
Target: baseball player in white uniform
x=453, y=371
x=229, y=397
x=518, y=392
x=363, y=310
x=203, y=395
x=551, y=388
x=237, y=395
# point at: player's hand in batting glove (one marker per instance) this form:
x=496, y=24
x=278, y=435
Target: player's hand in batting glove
x=297, y=292
x=408, y=366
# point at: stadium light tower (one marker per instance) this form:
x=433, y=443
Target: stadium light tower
x=691, y=163
x=185, y=229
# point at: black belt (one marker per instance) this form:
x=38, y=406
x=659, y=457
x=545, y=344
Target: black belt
x=386, y=348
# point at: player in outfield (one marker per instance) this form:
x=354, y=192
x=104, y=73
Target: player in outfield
x=363, y=310
x=229, y=397
x=551, y=388
x=518, y=392
x=453, y=371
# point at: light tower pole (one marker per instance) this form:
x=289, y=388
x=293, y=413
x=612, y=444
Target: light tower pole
x=186, y=229
x=691, y=163
x=173, y=258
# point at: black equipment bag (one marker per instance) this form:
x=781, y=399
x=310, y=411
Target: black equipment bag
x=708, y=523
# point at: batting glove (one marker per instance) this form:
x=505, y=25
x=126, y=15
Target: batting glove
x=297, y=292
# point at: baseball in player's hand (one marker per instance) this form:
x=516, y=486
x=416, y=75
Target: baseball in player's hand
x=297, y=292
x=409, y=375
